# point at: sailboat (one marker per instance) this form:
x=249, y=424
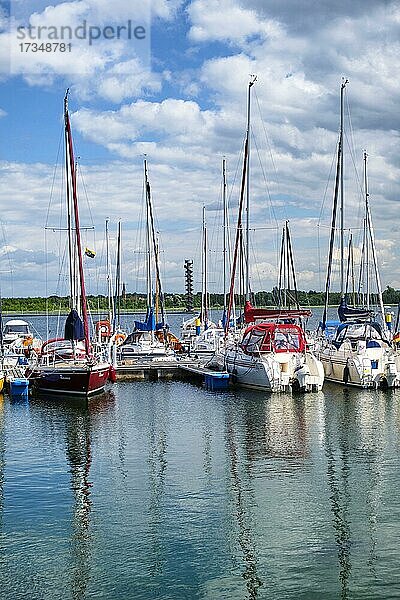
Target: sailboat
x=272, y=353
x=359, y=353
x=68, y=365
x=149, y=338
x=2, y=373
x=200, y=335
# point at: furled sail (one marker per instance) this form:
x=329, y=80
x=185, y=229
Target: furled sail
x=74, y=327
x=350, y=313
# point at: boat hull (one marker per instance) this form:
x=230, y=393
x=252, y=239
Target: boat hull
x=70, y=380
x=360, y=370
x=275, y=373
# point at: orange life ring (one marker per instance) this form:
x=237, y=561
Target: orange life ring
x=27, y=341
x=104, y=328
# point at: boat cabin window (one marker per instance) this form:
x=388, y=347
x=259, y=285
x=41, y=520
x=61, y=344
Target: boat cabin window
x=287, y=341
x=252, y=341
x=358, y=332
x=22, y=329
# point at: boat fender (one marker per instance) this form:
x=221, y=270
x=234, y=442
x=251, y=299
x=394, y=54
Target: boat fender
x=383, y=384
x=112, y=374
x=234, y=377
x=119, y=338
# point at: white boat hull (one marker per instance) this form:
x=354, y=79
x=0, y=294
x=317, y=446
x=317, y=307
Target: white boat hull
x=272, y=372
x=375, y=368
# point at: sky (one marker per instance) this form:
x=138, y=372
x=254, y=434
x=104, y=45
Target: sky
x=177, y=94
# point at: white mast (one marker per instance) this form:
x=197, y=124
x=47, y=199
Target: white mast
x=109, y=282
x=225, y=226
x=253, y=79
x=204, y=298
x=370, y=229
x=149, y=279
x=342, y=88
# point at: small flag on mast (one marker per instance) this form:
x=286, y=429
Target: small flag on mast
x=90, y=253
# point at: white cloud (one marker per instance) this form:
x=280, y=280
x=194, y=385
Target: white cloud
x=225, y=20
x=113, y=69
x=299, y=57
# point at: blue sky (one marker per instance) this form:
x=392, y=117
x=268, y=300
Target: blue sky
x=186, y=110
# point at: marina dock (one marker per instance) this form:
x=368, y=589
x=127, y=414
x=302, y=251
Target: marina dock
x=153, y=370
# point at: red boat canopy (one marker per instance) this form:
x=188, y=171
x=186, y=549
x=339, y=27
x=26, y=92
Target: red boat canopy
x=257, y=314
x=273, y=337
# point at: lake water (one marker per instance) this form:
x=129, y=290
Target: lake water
x=164, y=490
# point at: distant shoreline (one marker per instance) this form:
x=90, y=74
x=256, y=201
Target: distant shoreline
x=139, y=312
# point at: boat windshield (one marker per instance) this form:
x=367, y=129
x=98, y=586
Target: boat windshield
x=22, y=329
x=287, y=341
x=252, y=341
x=358, y=331
x=283, y=339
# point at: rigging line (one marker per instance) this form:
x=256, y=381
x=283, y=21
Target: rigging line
x=255, y=264
x=55, y=169
x=294, y=278
x=139, y=261
x=8, y=258
x=319, y=257
x=84, y=187
x=272, y=209
x=266, y=136
x=350, y=139
x=327, y=185
x=232, y=187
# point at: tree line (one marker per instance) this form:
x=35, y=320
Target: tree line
x=137, y=302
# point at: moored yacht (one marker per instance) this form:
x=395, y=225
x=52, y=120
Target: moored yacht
x=272, y=354
x=68, y=365
x=358, y=351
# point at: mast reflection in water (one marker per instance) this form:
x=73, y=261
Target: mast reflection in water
x=166, y=490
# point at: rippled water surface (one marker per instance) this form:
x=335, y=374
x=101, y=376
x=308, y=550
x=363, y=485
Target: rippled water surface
x=164, y=490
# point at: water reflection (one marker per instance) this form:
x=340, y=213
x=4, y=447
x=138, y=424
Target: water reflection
x=337, y=475
x=276, y=427
x=2, y=460
x=243, y=519
x=157, y=460
x=79, y=455
x=353, y=444
x=78, y=419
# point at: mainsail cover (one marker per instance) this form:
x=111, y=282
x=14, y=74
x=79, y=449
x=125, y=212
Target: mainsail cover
x=149, y=324
x=74, y=327
x=350, y=313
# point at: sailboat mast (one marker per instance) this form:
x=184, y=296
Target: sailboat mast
x=204, y=299
x=116, y=317
x=152, y=240
x=367, y=240
x=237, y=240
x=148, y=244
x=109, y=284
x=332, y=235
x=252, y=81
x=68, y=188
x=225, y=226
x=293, y=271
x=372, y=239
x=342, y=88
x=77, y=228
